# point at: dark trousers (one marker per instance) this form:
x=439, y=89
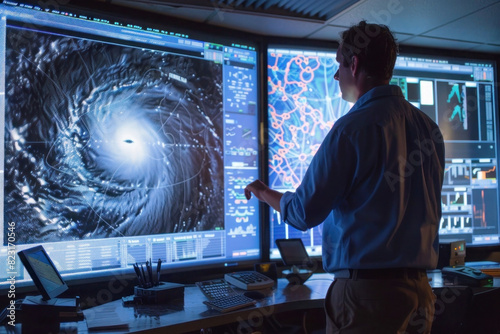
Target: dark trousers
x=380, y=305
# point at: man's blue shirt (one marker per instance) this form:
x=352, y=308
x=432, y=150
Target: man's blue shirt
x=376, y=183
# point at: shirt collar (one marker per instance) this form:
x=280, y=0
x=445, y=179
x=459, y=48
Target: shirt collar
x=376, y=92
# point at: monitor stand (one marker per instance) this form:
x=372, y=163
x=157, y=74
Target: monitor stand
x=296, y=275
x=69, y=304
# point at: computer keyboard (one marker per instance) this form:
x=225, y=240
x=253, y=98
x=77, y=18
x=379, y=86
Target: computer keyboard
x=222, y=297
x=249, y=280
x=216, y=288
x=231, y=303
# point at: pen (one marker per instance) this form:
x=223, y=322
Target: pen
x=158, y=268
x=144, y=277
x=150, y=272
x=138, y=274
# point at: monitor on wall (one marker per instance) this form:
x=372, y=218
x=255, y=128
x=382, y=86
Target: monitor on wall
x=125, y=140
x=460, y=95
x=304, y=101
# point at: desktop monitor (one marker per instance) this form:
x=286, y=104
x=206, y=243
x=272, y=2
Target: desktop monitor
x=458, y=93
x=124, y=139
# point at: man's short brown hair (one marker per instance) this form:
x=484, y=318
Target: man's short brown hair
x=375, y=47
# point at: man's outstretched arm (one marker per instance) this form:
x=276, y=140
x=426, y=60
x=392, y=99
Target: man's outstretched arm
x=264, y=193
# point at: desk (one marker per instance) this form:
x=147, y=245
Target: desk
x=191, y=315
x=194, y=315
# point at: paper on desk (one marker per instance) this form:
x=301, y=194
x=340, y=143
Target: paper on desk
x=104, y=317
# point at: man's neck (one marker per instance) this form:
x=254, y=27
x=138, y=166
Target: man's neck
x=365, y=84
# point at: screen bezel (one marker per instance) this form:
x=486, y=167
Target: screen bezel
x=24, y=255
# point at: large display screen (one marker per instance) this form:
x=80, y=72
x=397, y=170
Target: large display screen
x=304, y=101
x=124, y=141
x=460, y=96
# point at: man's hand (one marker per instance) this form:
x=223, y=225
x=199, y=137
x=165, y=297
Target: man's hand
x=257, y=188
x=264, y=193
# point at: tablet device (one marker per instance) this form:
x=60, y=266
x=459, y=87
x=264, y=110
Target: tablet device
x=44, y=274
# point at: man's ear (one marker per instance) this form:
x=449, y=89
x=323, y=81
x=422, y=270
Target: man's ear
x=354, y=65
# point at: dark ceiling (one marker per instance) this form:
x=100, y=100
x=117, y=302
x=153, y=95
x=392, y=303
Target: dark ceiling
x=465, y=25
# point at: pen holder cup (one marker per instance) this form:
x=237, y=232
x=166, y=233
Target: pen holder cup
x=162, y=293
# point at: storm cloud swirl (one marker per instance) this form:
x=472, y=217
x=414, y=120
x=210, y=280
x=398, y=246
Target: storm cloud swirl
x=103, y=140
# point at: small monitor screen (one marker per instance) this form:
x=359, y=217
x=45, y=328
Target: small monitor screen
x=293, y=252
x=43, y=272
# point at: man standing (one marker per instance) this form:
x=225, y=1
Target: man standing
x=375, y=182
